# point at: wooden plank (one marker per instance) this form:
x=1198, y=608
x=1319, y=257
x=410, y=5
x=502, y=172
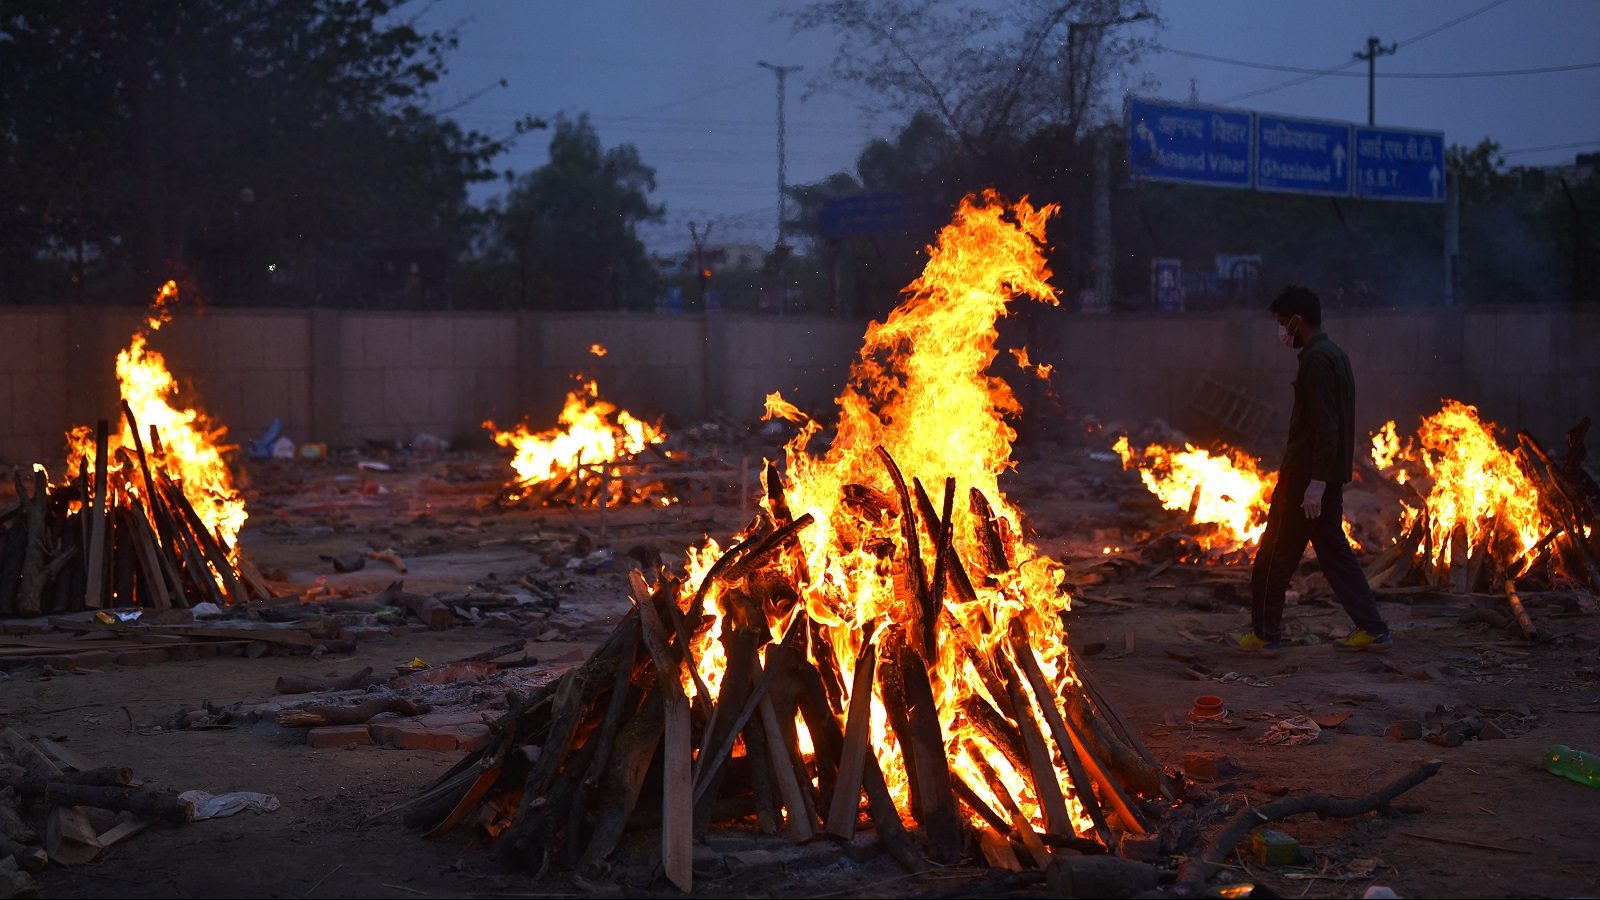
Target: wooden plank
x=677, y=791
x=846, y=801
x=94, y=595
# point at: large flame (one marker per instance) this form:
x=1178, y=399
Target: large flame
x=590, y=431
x=1476, y=484
x=191, y=450
x=921, y=390
x=1225, y=489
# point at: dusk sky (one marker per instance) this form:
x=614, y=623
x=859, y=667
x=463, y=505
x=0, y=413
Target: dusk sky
x=680, y=81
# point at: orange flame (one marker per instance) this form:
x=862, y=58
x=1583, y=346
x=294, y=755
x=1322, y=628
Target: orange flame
x=589, y=431
x=192, y=449
x=1477, y=485
x=922, y=391
x=1225, y=489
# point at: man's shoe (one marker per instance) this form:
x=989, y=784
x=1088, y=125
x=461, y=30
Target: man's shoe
x=1250, y=642
x=1362, y=640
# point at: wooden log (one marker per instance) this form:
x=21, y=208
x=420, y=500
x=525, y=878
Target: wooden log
x=1131, y=769
x=1041, y=770
x=1020, y=826
x=94, y=596
x=628, y=763
x=1058, y=730
x=911, y=582
x=152, y=577
x=677, y=800
x=159, y=513
x=892, y=693
x=160, y=804
x=319, y=715
x=799, y=821
x=1197, y=870
x=428, y=611
x=12, y=824
x=30, y=758
x=308, y=684
x=1100, y=876
x=994, y=553
x=31, y=589
x=36, y=784
x=941, y=822
x=997, y=850
x=211, y=546
x=29, y=859
x=740, y=643
x=1523, y=622
x=846, y=800
x=1000, y=733
x=1134, y=777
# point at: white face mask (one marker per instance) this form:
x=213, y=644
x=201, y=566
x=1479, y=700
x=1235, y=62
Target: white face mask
x=1285, y=338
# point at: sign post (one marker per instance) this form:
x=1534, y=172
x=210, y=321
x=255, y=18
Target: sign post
x=1190, y=144
x=1302, y=156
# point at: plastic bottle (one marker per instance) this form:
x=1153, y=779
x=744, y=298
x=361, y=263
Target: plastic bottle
x=1581, y=767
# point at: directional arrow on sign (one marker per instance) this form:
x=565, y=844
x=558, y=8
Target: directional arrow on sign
x=1338, y=160
x=1433, y=176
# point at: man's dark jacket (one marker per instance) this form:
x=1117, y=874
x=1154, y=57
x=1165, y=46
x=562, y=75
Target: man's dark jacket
x=1322, y=442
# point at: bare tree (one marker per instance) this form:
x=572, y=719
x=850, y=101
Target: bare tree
x=990, y=73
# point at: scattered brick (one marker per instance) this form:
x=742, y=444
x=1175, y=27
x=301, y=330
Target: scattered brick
x=333, y=736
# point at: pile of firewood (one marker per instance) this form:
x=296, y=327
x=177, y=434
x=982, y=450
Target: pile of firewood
x=53, y=810
x=90, y=544
x=568, y=771
x=1568, y=553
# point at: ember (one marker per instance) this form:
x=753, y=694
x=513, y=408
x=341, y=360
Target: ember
x=862, y=635
x=145, y=519
x=570, y=462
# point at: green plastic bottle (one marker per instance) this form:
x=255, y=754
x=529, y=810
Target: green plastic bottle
x=1582, y=767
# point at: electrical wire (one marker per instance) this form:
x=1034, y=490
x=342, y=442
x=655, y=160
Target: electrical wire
x=1492, y=73
x=1354, y=60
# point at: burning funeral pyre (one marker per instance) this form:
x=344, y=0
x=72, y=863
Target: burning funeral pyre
x=1225, y=494
x=581, y=461
x=882, y=628
x=147, y=516
x=1483, y=518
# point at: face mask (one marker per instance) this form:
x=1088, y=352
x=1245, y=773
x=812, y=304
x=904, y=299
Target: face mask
x=1285, y=338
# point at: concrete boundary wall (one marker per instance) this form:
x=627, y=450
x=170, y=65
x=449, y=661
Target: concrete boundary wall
x=343, y=376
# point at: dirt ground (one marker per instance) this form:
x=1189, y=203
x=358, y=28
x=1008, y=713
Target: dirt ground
x=1492, y=823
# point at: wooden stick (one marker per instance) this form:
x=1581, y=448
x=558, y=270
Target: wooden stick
x=1058, y=729
x=307, y=684
x=843, y=809
x=30, y=592
x=1198, y=870
x=317, y=716
x=677, y=799
x=1523, y=622
x=799, y=821
x=941, y=823
x=1041, y=770
x=94, y=597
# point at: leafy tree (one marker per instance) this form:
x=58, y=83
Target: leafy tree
x=219, y=135
x=565, y=235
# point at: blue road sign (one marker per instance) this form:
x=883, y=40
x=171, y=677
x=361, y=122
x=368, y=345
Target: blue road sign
x=1192, y=144
x=861, y=214
x=1399, y=164
x=1302, y=156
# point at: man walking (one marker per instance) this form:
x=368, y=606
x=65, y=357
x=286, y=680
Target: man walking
x=1308, y=503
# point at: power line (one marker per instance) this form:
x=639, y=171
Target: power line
x=1572, y=146
x=1489, y=73
x=1345, y=65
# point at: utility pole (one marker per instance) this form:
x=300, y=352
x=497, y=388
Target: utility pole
x=699, y=238
x=1374, y=50
x=781, y=250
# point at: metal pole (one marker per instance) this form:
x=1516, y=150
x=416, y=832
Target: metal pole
x=1374, y=50
x=1452, y=234
x=781, y=249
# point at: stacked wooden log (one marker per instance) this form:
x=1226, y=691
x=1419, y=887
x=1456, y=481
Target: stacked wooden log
x=1569, y=552
x=569, y=771
x=132, y=539
x=51, y=802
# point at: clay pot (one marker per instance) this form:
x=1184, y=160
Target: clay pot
x=1207, y=706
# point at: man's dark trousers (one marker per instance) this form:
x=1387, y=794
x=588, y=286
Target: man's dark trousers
x=1284, y=542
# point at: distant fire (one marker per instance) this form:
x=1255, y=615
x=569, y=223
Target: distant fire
x=1467, y=483
x=589, y=432
x=1226, y=490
